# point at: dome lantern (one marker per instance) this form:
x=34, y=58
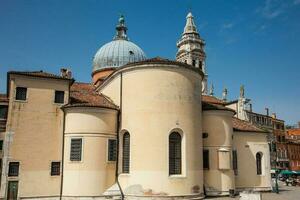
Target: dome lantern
x=118, y=52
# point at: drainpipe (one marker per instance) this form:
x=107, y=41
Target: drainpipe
x=119, y=126
x=62, y=156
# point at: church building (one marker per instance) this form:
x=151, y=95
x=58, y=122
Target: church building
x=141, y=129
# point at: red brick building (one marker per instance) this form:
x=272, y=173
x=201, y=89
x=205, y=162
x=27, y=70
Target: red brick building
x=293, y=146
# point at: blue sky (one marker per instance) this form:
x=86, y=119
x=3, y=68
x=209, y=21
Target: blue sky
x=255, y=43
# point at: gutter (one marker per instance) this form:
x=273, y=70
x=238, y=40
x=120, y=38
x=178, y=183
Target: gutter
x=119, y=126
x=63, y=144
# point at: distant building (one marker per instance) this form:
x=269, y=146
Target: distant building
x=293, y=146
x=144, y=128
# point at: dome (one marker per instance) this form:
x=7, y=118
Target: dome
x=118, y=52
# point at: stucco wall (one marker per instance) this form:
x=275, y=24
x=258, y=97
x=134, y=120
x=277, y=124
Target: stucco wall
x=35, y=127
x=218, y=125
x=93, y=174
x=247, y=145
x=157, y=101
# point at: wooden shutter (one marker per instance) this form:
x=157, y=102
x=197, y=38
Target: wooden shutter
x=174, y=153
x=126, y=152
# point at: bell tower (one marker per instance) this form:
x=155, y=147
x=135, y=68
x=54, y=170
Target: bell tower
x=191, y=49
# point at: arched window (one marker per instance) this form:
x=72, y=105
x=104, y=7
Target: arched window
x=258, y=163
x=126, y=152
x=174, y=153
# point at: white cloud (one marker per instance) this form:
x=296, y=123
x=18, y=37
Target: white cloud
x=272, y=8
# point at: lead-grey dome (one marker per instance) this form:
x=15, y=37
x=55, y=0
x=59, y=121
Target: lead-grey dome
x=118, y=52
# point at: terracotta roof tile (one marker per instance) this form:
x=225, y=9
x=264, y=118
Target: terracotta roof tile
x=295, y=131
x=83, y=94
x=3, y=98
x=241, y=125
x=211, y=106
x=39, y=74
x=212, y=99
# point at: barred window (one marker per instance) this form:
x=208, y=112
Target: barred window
x=3, y=111
x=59, y=97
x=21, y=93
x=55, y=168
x=112, y=150
x=234, y=162
x=258, y=163
x=13, y=169
x=126, y=152
x=76, y=149
x=174, y=153
x=205, y=159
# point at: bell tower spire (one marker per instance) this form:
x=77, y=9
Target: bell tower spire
x=191, y=49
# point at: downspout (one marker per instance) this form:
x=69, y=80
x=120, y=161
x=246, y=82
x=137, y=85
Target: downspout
x=63, y=155
x=119, y=126
x=63, y=145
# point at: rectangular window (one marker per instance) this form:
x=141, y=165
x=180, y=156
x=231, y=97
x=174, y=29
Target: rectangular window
x=234, y=162
x=76, y=149
x=112, y=150
x=205, y=159
x=3, y=112
x=1, y=145
x=21, y=93
x=55, y=168
x=13, y=169
x=59, y=97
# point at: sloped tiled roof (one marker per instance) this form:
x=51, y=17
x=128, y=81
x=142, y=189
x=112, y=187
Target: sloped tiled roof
x=212, y=99
x=211, y=106
x=3, y=98
x=241, y=125
x=40, y=73
x=295, y=131
x=83, y=94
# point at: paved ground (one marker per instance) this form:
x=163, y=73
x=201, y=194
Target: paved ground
x=286, y=193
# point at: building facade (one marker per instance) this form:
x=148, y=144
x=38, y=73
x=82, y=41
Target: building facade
x=144, y=128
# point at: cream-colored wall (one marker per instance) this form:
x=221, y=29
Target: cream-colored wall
x=35, y=127
x=112, y=90
x=247, y=145
x=93, y=174
x=218, y=125
x=155, y=102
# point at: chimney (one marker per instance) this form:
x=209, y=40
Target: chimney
x=299, y=124
x=274, y=115
x=65, y=73
x=267, y=110
x=250, y=107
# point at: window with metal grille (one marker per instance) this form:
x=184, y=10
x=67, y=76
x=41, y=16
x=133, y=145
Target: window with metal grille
x=258, y=163
x=112, y=150
x=126, y=153
x=205, y=159
x=59, y=97
x=76, y=149
x=3, y=112
x=55, y=168
x=174, y=153
x=13, y=169
x=21, y=93
x=234, y=162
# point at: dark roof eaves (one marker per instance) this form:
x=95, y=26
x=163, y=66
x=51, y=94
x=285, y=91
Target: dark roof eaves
x=83, y=105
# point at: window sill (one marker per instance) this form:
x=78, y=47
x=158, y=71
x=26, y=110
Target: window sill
x=177, y=176
x=20, y=101
x=124, y=174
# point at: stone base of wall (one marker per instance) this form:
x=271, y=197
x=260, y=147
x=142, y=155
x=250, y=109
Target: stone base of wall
x=128, y=197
